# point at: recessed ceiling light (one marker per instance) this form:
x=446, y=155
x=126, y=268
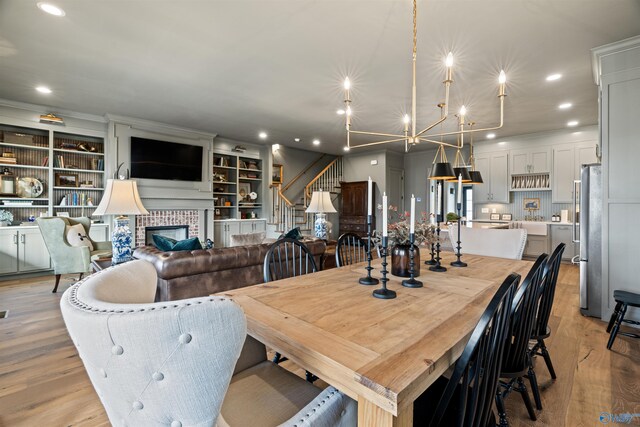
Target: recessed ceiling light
x=296, y=139
x=572, y=123
x=262, y=135
x=552, y=77
x=340, y=111
x=565, y=105
x=346, y=148
x=316, y=142
x=491, y=135
x=43, y=89
x=50, y=9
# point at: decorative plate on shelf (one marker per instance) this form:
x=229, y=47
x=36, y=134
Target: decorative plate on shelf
x=29, y=187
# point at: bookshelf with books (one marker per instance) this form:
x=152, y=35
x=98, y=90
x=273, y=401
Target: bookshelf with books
x=236, y=179
x=40, y=166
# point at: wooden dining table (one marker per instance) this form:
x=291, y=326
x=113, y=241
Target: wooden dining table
x=382, y=353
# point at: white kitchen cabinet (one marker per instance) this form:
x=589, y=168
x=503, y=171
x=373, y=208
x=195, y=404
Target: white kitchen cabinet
x=567, y=161
x=562, y=233
x=222, y=231
x=253, y=226
x=494, y=168
x=22, y=250
x=530, y=160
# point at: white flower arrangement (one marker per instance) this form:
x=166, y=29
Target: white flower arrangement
x=6, y=216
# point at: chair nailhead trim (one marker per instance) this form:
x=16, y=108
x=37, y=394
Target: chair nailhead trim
x=158, y=376
x=137, y=405
x=185, y=338
x=322, y=402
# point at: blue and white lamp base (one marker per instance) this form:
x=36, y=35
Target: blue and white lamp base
x=322, y=226
x=121, y=239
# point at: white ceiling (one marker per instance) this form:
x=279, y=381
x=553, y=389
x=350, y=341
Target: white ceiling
x=238, y=67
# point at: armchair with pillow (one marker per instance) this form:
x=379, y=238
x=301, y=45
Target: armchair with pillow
x=70, y=247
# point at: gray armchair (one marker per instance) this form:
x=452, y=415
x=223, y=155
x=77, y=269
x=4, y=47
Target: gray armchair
x=173, y=363
x=69, y=259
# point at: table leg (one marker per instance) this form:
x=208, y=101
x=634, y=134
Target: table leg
x=371, y=415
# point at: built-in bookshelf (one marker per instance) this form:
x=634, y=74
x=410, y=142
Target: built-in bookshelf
x=46, y=172
x=235, y=180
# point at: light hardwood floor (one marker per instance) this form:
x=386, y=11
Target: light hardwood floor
x=43, y=382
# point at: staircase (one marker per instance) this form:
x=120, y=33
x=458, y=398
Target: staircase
x=286, y=214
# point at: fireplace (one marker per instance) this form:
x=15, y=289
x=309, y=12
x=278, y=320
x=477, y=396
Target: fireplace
x=176, y=232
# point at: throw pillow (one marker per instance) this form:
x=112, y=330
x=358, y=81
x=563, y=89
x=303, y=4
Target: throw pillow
x=168, y=244
x=77, y=236
x=294, y=233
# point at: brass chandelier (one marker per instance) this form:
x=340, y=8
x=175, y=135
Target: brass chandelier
x=411, y=135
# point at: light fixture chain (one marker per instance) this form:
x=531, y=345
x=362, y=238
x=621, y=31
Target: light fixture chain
x=415, y=28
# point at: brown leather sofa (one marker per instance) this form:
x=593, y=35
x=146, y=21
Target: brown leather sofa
x=190, y=274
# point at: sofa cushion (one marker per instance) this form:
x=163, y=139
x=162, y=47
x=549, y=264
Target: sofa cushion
x=247, y=239
x=171, y=245
x=294, y=233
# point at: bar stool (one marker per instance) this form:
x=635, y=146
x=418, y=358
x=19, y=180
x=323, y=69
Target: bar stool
x=623, y=300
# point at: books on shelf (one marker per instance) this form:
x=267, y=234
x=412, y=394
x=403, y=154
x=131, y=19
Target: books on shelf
x=58, y=161
x=76, y=199
x=97, y=164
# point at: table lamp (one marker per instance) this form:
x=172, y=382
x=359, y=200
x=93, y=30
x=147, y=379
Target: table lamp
x=321, y=205
x=121, y=198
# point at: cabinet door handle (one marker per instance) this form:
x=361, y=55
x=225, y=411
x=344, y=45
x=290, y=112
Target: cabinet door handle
x=22, y=238
x=15, y=239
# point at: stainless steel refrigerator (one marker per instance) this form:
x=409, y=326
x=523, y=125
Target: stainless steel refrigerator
x=588, y=233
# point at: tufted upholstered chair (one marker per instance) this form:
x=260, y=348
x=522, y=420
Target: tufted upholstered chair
x=501, y=243
x=171, y=364
x=69, y=259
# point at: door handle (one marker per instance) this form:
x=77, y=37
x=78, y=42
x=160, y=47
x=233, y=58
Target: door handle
x=15, y=239
x=574, y=228
x=22, y=238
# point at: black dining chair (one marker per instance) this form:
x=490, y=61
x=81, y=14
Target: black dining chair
x=515, y=365
x=288, y=258
x=541, y=328
x=466, y=399
x=623, y=299
x=350, y=249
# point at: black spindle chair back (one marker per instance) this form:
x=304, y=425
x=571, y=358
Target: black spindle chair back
x=524, y=311
x=548, y=292
x=476, y=373
x=350, y=249
x=288, y=258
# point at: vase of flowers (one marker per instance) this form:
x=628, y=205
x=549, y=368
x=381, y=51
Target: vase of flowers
x=398, y=231
x=6, y=218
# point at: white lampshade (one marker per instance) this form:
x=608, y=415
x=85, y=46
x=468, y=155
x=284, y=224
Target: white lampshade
x=321, y=203
x=121, y=198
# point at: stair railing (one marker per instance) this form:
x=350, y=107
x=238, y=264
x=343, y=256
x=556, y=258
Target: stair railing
x=327, y=180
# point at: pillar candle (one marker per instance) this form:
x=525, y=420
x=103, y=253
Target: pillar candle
x=438, y=200
x=412, y=228
x=369, y=197
x=460, y=188
x=384, y=215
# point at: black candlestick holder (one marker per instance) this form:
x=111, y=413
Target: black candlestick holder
x=368, y=280
x=383, y=292
x=458, y=263
x=411, y=282
x=437, y=266
x=432, y=261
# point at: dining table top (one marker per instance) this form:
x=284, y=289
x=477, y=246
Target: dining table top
x=382, y=352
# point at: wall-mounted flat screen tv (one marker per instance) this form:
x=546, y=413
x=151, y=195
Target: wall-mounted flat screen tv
x=155, y=159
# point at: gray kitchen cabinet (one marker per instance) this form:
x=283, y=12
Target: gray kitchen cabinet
x=253, y=226
x=494, y=168
x=530, y=160
x=562, y=233
x=567, y=161
x=536, y=245
x=22, y=250
x=222, y=231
